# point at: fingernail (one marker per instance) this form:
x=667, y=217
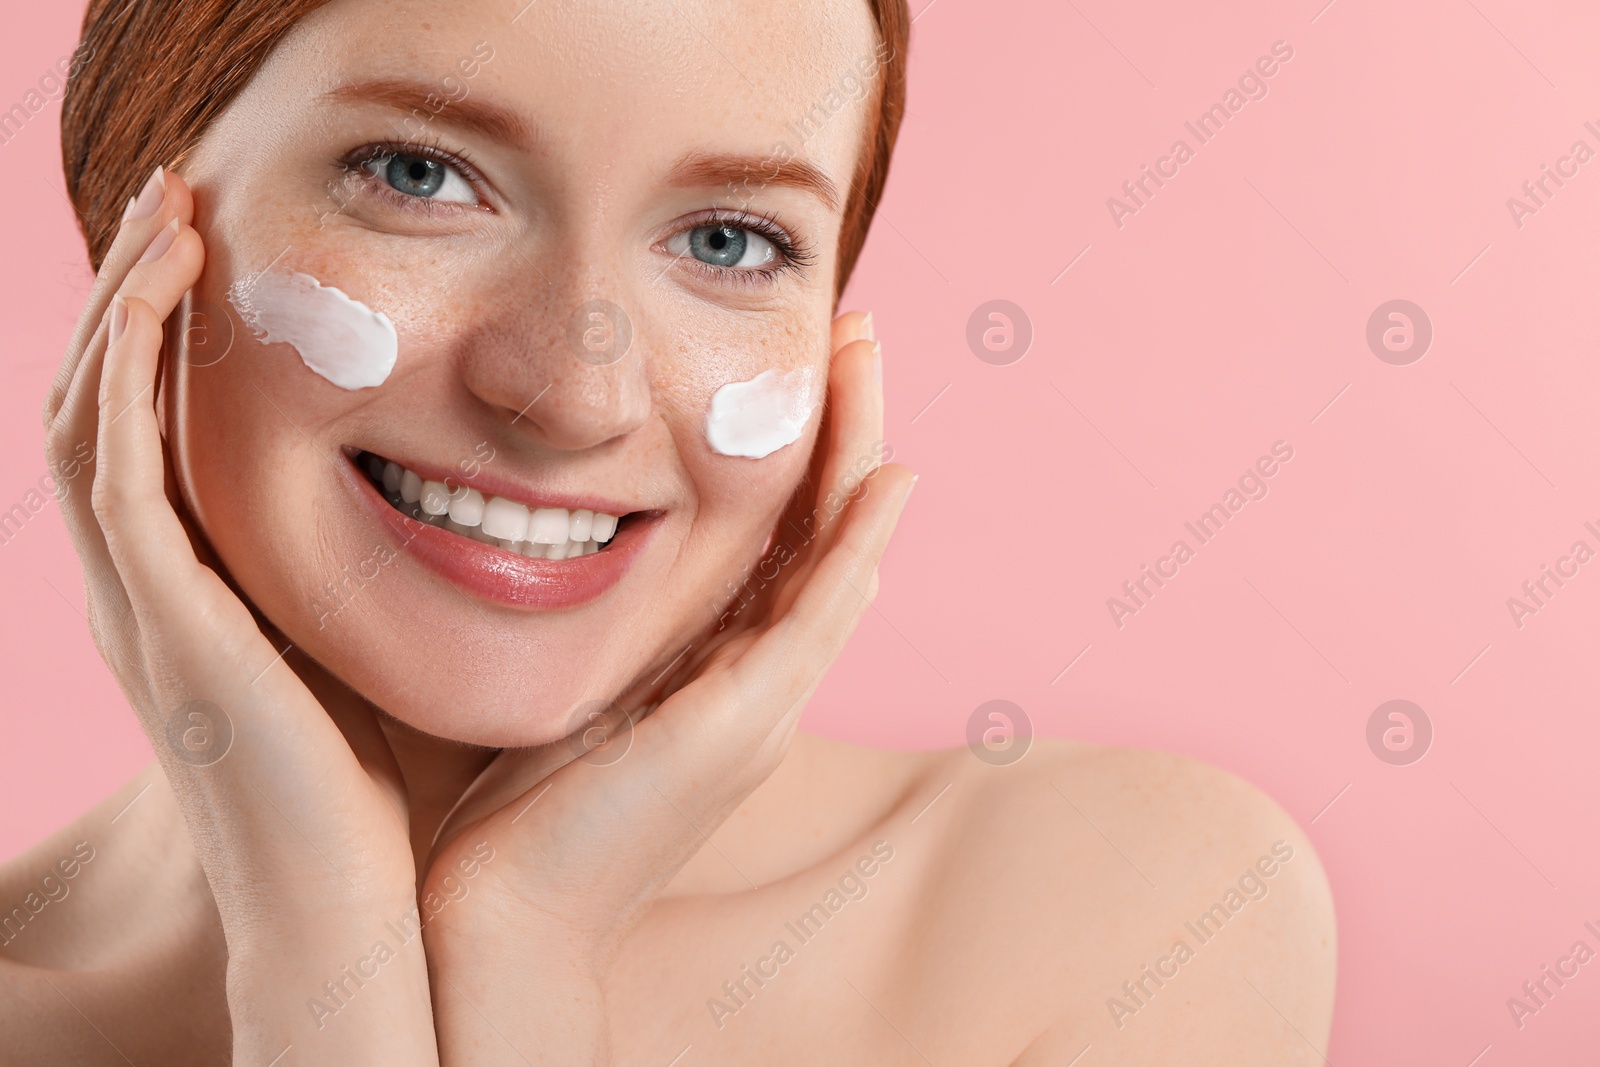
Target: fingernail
x=877, y=363
x=119, y=319
x=866, y=328
x=162, y=242
x=149, y=198
x=910, y=487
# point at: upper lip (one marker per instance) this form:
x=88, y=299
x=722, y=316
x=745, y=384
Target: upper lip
x=523, y=493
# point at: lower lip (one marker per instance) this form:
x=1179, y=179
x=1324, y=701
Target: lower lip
x=503, y=577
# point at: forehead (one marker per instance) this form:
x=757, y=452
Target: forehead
x=621, y=79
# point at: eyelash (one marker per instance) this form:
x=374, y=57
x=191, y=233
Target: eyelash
x=795, y=254
x=356, y=163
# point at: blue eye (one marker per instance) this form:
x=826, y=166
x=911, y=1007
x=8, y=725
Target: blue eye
x=422, y=177
x=724, y=245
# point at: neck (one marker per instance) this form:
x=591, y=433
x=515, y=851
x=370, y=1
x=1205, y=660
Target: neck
x=436, y=772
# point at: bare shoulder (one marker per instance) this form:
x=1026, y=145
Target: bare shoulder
x=111, y=919
x=1141, y=902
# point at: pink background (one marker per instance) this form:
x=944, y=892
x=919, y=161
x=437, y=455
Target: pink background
x=1224, y=316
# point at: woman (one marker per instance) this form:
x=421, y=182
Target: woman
x=469, y=543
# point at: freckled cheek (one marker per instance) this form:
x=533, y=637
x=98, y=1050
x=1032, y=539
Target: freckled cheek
x=427, y=297
x=254, y=482
x=425, y=313
x=742, y=487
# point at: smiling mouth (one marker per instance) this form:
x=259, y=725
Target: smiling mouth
x=538, y=533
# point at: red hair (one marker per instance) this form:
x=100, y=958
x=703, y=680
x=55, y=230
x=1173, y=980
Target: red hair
x=157, y=74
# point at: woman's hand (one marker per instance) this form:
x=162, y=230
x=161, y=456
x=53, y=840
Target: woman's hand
x=577, y=848
x=294, y=803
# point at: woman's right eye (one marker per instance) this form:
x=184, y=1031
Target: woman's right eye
x=422, y=177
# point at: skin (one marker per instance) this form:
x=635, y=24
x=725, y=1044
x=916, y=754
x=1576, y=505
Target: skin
x=583, y=917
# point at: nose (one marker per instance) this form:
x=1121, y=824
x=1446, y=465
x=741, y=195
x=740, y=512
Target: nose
x=565, y=365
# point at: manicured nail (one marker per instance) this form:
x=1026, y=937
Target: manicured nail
x=119, y=319
x=162, y=242
x=877, y=363
x=149, y=198
x=910, y=487
x=866, y=328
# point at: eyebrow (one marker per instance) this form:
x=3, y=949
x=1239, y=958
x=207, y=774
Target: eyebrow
x=479, y=116
x=696, y=169
x=730, y=169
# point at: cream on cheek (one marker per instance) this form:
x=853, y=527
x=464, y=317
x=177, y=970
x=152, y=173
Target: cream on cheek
x=339, y=338
x=756, y=418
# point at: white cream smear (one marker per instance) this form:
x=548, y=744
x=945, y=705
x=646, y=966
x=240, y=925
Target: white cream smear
x=756, y=418
x=341, y=339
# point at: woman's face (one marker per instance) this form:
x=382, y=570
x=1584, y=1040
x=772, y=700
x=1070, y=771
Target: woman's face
x=521, y=189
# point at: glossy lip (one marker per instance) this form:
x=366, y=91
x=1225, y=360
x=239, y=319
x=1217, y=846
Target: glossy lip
x=491, y=573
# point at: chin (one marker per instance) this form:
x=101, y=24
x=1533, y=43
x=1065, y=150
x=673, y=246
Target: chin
x=509, y=692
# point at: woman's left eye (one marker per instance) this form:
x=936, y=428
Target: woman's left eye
x=723, y=245
x=422, y=177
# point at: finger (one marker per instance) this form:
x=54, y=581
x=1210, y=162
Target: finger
x=199, y=640
x=160, y=283
x=725, y=731
x=144, y=261
x=178, y=258
x=850, y=447
x=713, y=742
x=163, y=198
x=854, y=450
x=852, y=326
x=808, y=636
x=128, y=496
x=856, y=402
x=850, y=399
x=753, y=702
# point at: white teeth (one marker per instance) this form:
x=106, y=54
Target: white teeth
x=435, y=498
x=542, y=533
x=505, y=518
x=466, y=506
x=579, y=525
x=548, y=526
